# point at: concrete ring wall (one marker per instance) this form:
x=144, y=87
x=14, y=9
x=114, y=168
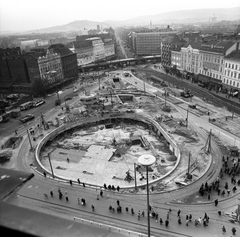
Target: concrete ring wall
x=135, y=116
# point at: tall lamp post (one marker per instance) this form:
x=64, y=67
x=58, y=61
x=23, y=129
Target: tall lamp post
x=147, y=160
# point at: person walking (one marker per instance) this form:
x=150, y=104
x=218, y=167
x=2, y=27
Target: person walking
x=118, y=202
x=179, y=220
x=166, y=223
x=190, y=217
x=143, y=213
x=66, y=198
x=216, y=202
x=78, y=181
x=223, y=229
x=70, y=181
x=179, y=212
x=93, y=208
x=51, y=193
x=234, y=230
x=160, y=221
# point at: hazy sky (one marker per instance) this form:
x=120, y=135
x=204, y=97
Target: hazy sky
x=19, y=15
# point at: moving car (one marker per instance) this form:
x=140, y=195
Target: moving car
x=38, y=103
x=27, y=118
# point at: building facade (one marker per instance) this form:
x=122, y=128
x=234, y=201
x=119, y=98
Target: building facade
x=176, y=58
x=167, y=46
x=190, y=58
x=231, y=75
x=68, y=61
x=212, y=62
x=93, y=49
x=50, y=68
x=148, y=42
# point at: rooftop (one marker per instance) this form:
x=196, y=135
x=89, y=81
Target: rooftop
x=234, y=56
x=61, y=49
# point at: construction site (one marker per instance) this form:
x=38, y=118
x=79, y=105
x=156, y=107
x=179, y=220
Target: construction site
x=107, y=131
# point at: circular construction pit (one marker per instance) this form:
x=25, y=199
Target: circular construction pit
x=106, y=150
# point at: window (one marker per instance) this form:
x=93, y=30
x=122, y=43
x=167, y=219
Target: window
x=236, y=66
x=235, y=74
x=232, y=66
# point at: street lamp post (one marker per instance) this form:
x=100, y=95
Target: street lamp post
x=147, y=160
x=187, y=119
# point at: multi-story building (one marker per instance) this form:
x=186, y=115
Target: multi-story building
x=190, y=58
x=10, y=52
x=68, y=61
x=84, y=52
x=50, y=67
x=212, y=62
x=93, y=49
x=231, y=75
x=176, y=58
x=148, y=42
x=169, y=44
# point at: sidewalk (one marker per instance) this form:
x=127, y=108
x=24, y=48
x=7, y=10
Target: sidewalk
x=214, y=93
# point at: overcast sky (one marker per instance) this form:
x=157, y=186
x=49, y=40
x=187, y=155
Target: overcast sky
x=19, y=15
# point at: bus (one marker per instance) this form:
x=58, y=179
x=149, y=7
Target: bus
x=26, y=106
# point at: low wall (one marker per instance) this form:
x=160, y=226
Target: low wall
x=135, y=116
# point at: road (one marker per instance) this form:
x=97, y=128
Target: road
x=31, y=196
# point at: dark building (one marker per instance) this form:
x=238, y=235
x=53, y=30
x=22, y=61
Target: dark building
x=10, y=52
x=68, y=59
x=169, y=44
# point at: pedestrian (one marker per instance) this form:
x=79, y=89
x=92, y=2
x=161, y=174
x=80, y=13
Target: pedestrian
x=118, y=188
x=93, y=208
x=223, y=229
x=179, y=212
x=170, y=210
x=78, y=181
x=216, y=202
x=187, y=220
x=132, y=211
x=51, y=193
x=156, y=217
x=118, y=202
x=126, y=209
x=67, y=199
x=83, y=184
x=70, y=181
x=160, y=221
x=234, y=230
x=44, y=173
x=139, y=215
x=168, y=216
x=105, y=186
x=68, y=160
x=190, y=217
x=179, y=220
x=219, y=213
x=97, y=196
x=101, y=193
x=166, y=223
x=143, y=213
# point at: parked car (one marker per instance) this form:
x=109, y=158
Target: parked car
x=27, y=118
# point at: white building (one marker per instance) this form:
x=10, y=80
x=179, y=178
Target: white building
x=50, y=67
x=231, y=76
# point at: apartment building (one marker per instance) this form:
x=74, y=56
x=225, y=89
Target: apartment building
x=148, y=41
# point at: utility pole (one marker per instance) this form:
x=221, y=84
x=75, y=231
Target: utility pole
x=135, y=176
x=187, y=119
x=50, y=165
x=29, y=138
x=189, y=163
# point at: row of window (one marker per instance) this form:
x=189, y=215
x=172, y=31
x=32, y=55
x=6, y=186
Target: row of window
x=231, y=82
x=232, y=66
x=232, y=74
x=210, y=74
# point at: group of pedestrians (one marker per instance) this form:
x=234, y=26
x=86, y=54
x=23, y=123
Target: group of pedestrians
x=230, y=168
